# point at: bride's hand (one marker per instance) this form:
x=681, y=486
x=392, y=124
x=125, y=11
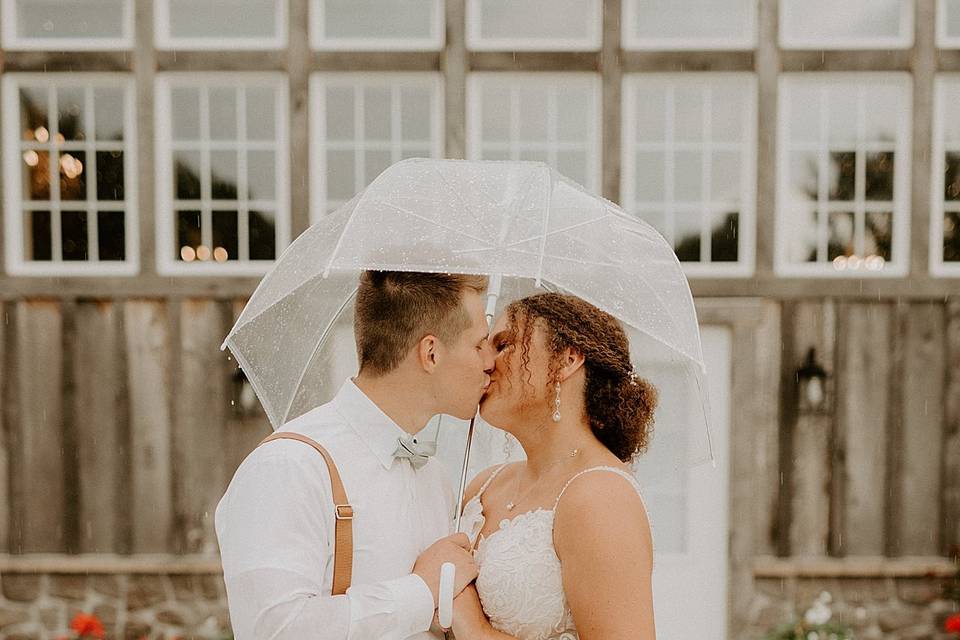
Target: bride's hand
x=469, y=621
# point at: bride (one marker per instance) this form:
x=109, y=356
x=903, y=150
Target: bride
x=563, y=543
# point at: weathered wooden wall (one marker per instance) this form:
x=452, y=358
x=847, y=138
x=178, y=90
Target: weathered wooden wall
x=120, y=430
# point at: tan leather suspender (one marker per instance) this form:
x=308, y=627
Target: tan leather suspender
x=343, y=515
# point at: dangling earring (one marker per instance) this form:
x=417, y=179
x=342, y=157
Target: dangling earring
x=556, y=404
x=507, y=446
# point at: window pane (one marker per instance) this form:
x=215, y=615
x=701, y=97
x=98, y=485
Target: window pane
x=651, y=186
x=222, y=18
x=340, y=175
x=949, y=17
x=804, y=172
x=261, y=175
x=688, y=24
x=415, y=112
x=108, y=105
x=533, y=115
x=377, y=19
x=73, y=231
x=952, y=176
x=535, y=22
x=111, y=235
x=688, y=114
x=339, y=109
x=376, y=113
x=73, y=176
x=50, y=19
x=725, y=176
x=37, y=236
x=843, y=171
x=841, y=230
x=807, y=23
x=374, y=164
x=879, y=172
x=495, y=107
x=185, y=111
x=110, y=175
x=186, y=168
x=724, y=242
x=36, y=175
x=951, y=237
x=225, y=236
x=223, y=114
x=188, y=235
x=223, y=175
x=879, y=231
x=34, y=110
x=573, y=109
x=262, y=235
x=71, y=116
x=686, y=237
x=261, y=114
x=687, y=176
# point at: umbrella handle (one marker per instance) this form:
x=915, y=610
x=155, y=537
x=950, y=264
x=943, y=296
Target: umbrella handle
x=463, y=476
x=448, y=574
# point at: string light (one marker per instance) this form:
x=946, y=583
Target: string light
x=872, y=262
x=41, y=134
x=31, y=157
x=203, y=253
x=220, y=254
x=187, y=254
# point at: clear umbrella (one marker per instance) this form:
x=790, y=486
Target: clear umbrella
x=523, y=224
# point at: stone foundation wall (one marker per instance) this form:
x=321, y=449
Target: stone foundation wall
x=156, y=606
x=889, y=608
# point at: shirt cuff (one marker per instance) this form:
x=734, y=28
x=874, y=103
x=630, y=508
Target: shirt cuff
x=414, y=596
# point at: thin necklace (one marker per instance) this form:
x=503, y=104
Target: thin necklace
x=516, y=499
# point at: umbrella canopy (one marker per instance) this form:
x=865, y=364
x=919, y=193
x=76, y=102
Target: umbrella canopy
x=519, y=220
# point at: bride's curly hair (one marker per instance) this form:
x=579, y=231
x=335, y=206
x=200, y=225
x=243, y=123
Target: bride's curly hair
x=619, y=404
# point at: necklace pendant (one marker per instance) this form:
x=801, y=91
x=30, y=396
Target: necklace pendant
x=510, y=506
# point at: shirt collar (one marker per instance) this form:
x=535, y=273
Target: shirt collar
x=375, y=428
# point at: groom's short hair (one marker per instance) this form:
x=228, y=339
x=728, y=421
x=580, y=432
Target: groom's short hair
x=396, y=309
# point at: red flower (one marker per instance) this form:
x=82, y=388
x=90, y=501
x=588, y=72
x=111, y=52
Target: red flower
x=86, y=624
x=952, y=624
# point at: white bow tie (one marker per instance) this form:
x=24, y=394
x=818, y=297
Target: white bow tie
x=415, y=451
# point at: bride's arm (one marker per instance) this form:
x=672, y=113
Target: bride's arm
x=469, y=621
x=603, y=539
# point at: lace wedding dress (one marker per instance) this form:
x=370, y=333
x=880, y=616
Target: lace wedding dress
x=520, y=582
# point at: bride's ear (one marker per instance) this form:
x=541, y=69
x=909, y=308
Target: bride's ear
x=571, y=361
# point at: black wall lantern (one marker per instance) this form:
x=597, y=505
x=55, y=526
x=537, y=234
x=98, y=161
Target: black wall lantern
x=812, y=383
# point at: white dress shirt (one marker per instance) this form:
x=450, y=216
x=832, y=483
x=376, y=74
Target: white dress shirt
x=275, y=527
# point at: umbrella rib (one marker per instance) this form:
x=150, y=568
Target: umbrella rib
x=433, y=222
x=564, y=230
x=543, y=237
x=316, y=348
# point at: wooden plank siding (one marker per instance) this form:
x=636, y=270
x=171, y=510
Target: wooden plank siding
x=100, y=446
x=148, y=345
x=951, y=443
x=859, y=441
x=39, y=508
x=202, y=396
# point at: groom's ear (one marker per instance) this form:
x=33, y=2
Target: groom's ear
x=427, y=353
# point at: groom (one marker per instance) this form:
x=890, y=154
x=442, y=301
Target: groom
x=422, y=348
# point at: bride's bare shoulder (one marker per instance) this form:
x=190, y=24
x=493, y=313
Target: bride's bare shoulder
x=601, y=500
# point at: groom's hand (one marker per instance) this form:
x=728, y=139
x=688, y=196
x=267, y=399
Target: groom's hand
x=455, y=549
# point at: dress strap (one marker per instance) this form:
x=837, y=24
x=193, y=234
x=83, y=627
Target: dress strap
x=633, y=481
x=487, y=482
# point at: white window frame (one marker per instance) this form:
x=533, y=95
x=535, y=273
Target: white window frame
x=166, y=41
x=900, y=209
x=12, y=167
x=395, y=81
x=320, y=42
x=944, y=40
x=746, y=205
x=593, y=145
x=476, y=41
x=903, y=40
x=938, y=207
x=13, y=42
x=633, y=42
x=165, y=145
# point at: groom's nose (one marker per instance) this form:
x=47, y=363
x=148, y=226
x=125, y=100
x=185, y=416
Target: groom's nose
x=489, y=359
